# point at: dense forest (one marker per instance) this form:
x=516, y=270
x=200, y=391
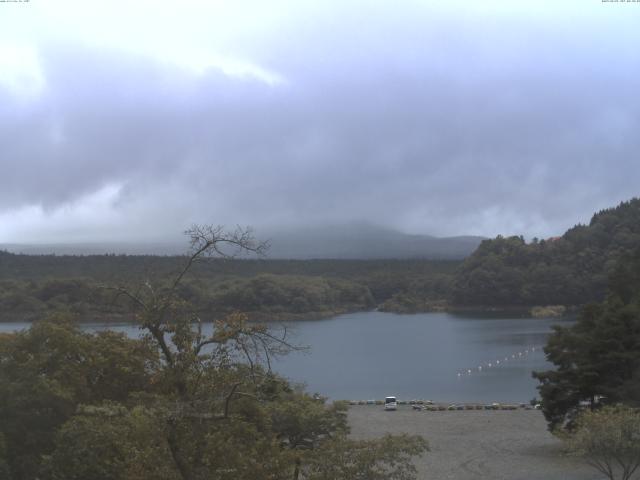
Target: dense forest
x=503, y=272
x=569, y=270
x=31, y=286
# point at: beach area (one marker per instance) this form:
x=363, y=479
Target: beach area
x=476, y=444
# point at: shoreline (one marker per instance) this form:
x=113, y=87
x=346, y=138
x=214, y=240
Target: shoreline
x=288, y=317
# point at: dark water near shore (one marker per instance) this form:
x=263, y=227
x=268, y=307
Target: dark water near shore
x=373, y=354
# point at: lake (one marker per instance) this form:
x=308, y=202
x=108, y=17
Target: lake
x=437, y=356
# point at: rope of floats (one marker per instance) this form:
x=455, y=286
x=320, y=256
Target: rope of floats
x=429, y=405
x=499, y=362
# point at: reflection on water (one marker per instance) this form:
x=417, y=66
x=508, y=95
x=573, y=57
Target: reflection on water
x=434, y=356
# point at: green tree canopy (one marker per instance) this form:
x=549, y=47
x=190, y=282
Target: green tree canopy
x=176, y=404
x=567, y=270
x=608, y=440
x=599, y=355
x=50, y=369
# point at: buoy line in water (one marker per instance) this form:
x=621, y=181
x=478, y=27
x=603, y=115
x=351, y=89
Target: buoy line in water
x=499, y=362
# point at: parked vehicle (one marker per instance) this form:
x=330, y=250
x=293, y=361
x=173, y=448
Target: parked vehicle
x=390, y=403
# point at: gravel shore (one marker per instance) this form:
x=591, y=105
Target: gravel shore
x=476, y=445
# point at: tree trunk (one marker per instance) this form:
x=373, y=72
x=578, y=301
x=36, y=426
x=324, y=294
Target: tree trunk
x=296, y=471
x=174, y=448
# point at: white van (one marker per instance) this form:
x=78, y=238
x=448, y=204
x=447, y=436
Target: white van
x=390, y=403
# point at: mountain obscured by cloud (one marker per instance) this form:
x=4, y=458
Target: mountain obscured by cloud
x=442, y=118
x=362, y=241
x=347, y=241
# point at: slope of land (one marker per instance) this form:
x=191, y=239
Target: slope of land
x=569, y=270
x=365, y=241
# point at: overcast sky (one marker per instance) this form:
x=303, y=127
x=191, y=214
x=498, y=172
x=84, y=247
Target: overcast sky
x=131, y=120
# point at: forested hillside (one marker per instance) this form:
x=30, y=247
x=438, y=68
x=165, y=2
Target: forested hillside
x=570, y=270
x=31, y=286
x=503, y=272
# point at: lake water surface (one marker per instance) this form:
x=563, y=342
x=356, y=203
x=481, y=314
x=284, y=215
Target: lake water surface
x=433, y=356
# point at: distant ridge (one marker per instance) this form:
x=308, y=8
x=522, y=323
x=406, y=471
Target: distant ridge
x=350, y=241
x=366, y=241
x=96, y=248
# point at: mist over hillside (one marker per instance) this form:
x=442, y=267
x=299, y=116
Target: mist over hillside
x=367, y=241
x=349, y=241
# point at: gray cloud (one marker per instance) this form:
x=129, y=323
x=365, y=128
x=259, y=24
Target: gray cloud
x=423, y=120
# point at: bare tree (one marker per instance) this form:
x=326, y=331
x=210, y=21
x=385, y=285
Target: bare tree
x=198, y=369
x=166, y=316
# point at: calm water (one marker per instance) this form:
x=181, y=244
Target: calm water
x=373, y=354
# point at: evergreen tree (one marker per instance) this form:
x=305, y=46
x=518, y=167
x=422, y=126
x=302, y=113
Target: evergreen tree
x=599, y=356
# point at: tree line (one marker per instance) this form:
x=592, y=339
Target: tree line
x=31, y=286
x=504, y=272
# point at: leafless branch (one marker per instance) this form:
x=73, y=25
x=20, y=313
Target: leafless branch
x=121, y=291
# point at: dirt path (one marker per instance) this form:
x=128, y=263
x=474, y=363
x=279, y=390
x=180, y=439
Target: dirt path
x=476, y=445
